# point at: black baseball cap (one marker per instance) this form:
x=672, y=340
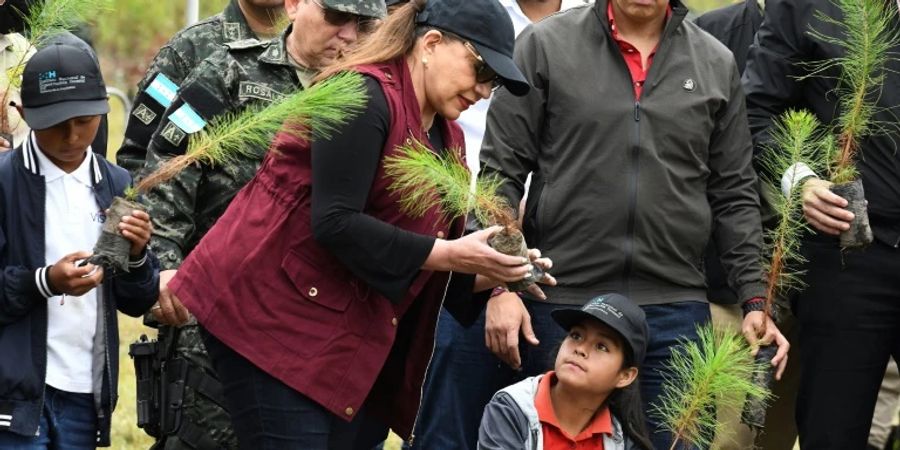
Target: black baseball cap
x=61, y=82
x=487, y=26
x=617, y=312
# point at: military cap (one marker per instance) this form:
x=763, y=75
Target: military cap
x=367, y=8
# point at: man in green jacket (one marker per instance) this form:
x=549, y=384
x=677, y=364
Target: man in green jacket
x=636, y=138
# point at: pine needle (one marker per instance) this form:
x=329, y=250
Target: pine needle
x=424, y=180
x=798, y=137
x=310, y=113
x=713, y=372
x=46, y=19
x=51, y=17
x=867, y=35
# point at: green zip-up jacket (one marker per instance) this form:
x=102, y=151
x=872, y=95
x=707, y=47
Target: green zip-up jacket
x=625, y=192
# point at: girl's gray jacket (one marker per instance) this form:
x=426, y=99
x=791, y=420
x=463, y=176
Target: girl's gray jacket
x=510, y=422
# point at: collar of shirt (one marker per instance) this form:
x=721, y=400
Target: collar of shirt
x=612, y=21
x=600, y=424
x=52, y=172
x=520, y=20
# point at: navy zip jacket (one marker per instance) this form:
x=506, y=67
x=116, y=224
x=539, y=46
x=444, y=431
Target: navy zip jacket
x=23, y=309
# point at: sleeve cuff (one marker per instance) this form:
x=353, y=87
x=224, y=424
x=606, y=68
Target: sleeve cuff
x=135, y=263
x=42, y=281
x=754, y=304
x=795, y=174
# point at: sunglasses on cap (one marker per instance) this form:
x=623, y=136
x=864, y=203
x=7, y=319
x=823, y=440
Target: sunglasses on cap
x=340, y=18
x=483, y=72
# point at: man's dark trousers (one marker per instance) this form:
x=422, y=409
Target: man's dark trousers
x=850, y=325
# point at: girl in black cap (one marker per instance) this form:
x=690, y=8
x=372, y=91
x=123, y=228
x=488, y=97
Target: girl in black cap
x=590, y=400
x=320, y=295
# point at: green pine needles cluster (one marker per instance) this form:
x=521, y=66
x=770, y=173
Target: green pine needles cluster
x=713, y=372
x=797, y=137
x=309, y=113
x=867, y=36
x=424, y=179
x=48, y=18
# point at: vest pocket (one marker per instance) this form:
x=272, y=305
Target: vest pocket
x=324, y=285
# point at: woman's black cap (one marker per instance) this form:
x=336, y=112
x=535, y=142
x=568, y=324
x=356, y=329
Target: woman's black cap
x=487, y=26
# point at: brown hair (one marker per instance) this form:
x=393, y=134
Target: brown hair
x=394, y=38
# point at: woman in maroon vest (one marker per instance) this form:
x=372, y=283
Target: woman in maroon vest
x=320, y=297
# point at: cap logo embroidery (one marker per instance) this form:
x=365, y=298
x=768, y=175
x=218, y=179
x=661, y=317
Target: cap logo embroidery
x=688, y=85
x=48, y=82
x=602, y=307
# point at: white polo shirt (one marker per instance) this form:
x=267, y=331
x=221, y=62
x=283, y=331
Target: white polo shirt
x=73, y=223
x=473, y=119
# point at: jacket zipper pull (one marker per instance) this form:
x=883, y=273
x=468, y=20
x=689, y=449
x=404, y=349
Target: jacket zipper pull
x=637, y=111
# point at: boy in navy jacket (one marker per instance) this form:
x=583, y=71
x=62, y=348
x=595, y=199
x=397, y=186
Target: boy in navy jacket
x=58, y=330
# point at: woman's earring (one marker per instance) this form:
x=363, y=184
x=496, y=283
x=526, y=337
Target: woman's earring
x=425, y=61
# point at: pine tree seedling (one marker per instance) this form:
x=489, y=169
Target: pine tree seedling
x=867, y=35
x=424, y=180
x=797, y=137
x=229, y=138
x=45, y=19
x=715, y=371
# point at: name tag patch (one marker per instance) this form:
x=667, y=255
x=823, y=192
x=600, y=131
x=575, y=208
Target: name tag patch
x=249, y=89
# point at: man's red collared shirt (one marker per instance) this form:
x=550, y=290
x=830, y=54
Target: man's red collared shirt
x=631, y=54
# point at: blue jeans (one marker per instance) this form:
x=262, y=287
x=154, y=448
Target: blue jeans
x=68, y=422
x=464, y=374
x=668, y=324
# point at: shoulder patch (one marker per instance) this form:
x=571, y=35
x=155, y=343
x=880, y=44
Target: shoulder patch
x=162, y=89
x=173, y=134
x=143, y=113
x=259, y=91
x=187, y=119
x=232, y=31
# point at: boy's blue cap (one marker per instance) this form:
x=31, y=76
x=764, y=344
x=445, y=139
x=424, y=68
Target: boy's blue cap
x=487, y=26
x=617, y=312
x=61, y=82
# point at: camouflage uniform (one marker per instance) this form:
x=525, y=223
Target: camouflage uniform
x=185, y=208
x=203, y=423
x=174, y=61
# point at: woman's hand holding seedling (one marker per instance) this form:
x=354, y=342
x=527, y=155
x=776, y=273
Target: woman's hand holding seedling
x=759, y=329
x=472, y=254
x=68, y=278
x=137, y=229
x=823, y=209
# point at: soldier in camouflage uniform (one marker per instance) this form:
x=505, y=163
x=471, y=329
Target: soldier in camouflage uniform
x=185, y=208
x=241, y=20
x=201, y=423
